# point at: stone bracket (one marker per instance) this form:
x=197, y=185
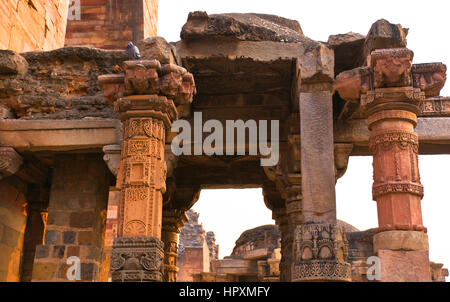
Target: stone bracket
x=10, y=162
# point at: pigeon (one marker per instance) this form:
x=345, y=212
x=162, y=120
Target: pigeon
x=133, y=52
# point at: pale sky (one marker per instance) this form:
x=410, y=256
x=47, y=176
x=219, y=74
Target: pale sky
x=230, y=212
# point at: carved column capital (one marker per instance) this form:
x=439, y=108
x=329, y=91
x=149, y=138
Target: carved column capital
x=10, y=162
x=112, y=157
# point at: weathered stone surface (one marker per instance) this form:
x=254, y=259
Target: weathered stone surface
x=318, y=176
x=348, y=50
x=384, y=34
x=438, y=273
x=195, y=249
x=265, y=237
x=28, y=25
x=430, y=77
x=404, y=266
x=111, y=24
x=61, y=84
x=400, y=241
x=158, y=48
x=10, y=162
x=317, y=65
x=12, y=63
x=250, y=27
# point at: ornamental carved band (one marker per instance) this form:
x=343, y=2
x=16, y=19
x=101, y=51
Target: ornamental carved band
x=395, y=163
x=142, y=177
x=321, y=253
x=136, y=259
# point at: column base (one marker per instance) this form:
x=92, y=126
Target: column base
x=321, y=253
x=321, y=270
x=400, y=241
x=404, y=266
x=137, y=259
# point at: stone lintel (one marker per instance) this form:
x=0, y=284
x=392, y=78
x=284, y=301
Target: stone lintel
x=432, y=131
x=59, y=135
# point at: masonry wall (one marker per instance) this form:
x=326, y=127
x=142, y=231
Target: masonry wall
x=76, y=218
x=27, y=25
x=111, y=24
x=12, y=227
x=195, y=260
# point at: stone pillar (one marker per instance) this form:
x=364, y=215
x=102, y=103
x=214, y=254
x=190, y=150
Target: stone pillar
x=76, y=219
x=171, y=222
x=391, y=109
x=320, y=246
x=287, y=236
x=138, y=253
x=146, y=97
x=37, y=211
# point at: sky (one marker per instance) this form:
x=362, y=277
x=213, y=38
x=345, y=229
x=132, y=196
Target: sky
x=230, y=212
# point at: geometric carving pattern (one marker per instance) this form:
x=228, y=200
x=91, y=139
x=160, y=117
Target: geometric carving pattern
x=321, y=252
x=137, y=259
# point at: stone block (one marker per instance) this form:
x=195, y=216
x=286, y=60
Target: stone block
x=69, y=237
x=82, y=219
x=12, y=63
x=44, y=271
x=10, y=237
x=73, y=251
x=400, y=241
x=89, y=271
x=42, y=251
x=90, y=252
x=404, y=266
x=52, y=237
x=58, y=251
x=86, y=238
x=157, y=48
x=317, y=65
x=58, y=218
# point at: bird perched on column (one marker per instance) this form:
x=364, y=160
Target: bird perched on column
x=133, y=52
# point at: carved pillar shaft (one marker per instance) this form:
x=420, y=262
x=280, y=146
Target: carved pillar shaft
x=170, y=240
x=172, y=221
x=142, y=179
x=320, y=247
x=396, y=188
x=391, y=109
x=287, y=237
x=144, y=96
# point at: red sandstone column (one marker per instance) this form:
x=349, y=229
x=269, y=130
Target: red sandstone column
x=146, y=97
x=391, y=109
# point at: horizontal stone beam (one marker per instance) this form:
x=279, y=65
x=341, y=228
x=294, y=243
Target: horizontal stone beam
x=434, y=135
x=59, y=135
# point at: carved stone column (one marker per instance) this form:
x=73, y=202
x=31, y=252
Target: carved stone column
x=391, y=108
x=320, y=246
x=391, y=91
x=281, y=219
x=146, y=97
x=172, y=221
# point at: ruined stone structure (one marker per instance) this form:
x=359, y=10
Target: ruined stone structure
x=27, y=25
x=196, y=249
x=110, y=24
x=76, y=121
